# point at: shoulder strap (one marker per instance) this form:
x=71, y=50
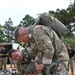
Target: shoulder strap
x=32, y=38
x=36, y=22
x=55, y=56
x=57, y=46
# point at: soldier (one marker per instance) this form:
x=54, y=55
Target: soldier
x=24, y=64
x=0, y=61
x=3, y=55
x=71, y=53
x=54, y=53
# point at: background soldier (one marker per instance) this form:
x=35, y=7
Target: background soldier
x=3, y=55
x=24, y=64
x=0, y=61
x=54, y=53
x=71, y=53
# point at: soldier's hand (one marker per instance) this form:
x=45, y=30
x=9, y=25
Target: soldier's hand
x=39, y=67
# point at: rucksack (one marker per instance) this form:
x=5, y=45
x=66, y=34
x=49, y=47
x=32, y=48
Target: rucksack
x=60, y=29
x=52, y=22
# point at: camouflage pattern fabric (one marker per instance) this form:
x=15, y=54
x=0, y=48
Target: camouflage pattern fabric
x=26, y=65
x=3, y=63
x=43, y=38
x=0, y=63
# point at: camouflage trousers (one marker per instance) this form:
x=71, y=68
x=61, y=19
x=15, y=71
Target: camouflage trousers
x=71, y=65
x=59, y=69
x=29, y=70
x=0, y=63
x=3, y=63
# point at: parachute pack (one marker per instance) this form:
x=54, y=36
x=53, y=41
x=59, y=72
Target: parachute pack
x=52, y=22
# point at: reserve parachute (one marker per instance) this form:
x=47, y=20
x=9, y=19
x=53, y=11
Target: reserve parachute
x=52, y=22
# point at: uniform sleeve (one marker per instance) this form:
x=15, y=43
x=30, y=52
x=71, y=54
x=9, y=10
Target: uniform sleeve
x=44, y=44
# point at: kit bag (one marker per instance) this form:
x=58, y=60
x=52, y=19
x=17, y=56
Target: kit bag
x=52, y=22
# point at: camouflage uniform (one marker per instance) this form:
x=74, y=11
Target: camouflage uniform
x=0, y=63
x=26, y=65
x=42, y=41
x=3, y=60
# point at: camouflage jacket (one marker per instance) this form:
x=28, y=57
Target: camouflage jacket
x=43, y=38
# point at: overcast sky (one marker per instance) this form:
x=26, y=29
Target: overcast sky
x=17, y=9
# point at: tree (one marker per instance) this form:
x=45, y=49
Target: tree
x=67, y=17
x=8, y=30
x=70, y=41
x=1, y=34
x=26, y=21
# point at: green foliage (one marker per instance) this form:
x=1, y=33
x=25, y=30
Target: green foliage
x=2, y=40
x=1, y=34
x=69, y=41
x=26, y=21
x=67, y=17
x=8, y=29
